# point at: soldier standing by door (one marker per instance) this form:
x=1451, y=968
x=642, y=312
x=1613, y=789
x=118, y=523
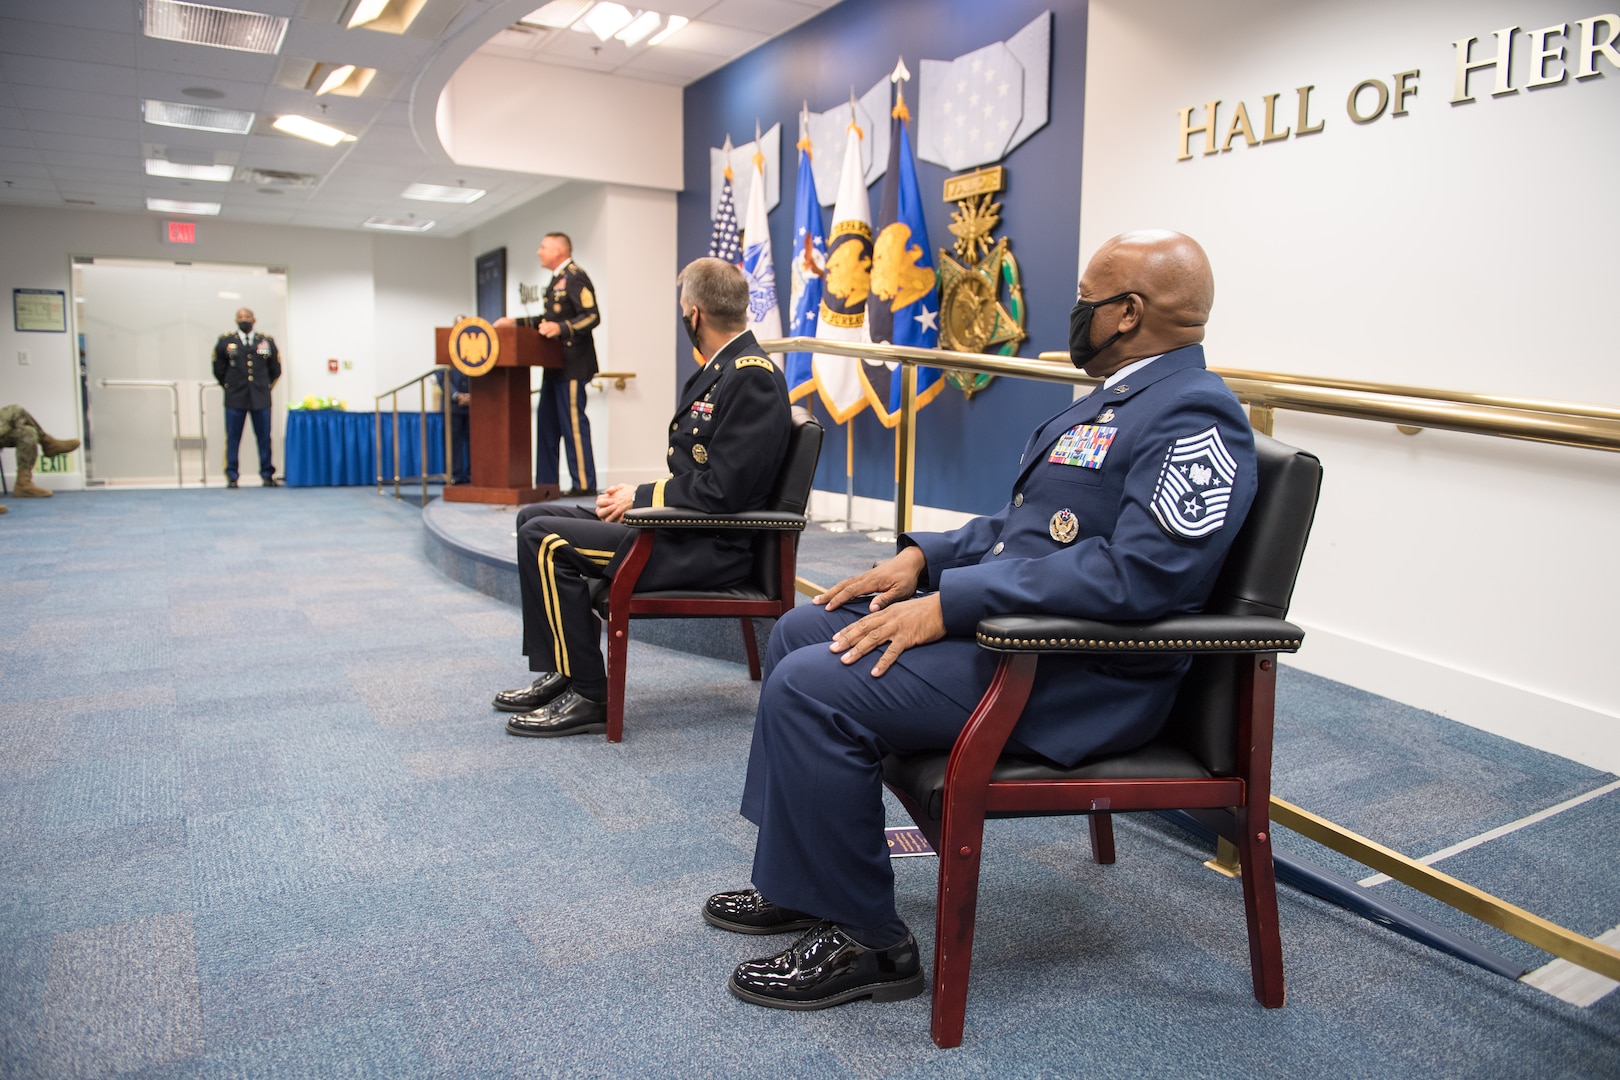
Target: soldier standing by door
x=247, y=365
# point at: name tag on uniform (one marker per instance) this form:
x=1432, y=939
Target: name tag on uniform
x=1084, y=445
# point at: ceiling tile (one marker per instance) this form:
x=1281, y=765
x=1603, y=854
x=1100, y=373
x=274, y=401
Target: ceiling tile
x=726, y=41
x=666, y=61
x=167, y=86
x=18, y=169
x=82, y=102
x=119, y=16
x=14, y=137
x=766, y=16
x=71, y=124
x=64, y=160
x=14, y=118
x=151, y=54
x=67, y=43
x=69, y=75
x=87, y=144
x=14, y=156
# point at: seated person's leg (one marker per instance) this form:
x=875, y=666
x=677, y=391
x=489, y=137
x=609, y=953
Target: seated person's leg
x=559, y=551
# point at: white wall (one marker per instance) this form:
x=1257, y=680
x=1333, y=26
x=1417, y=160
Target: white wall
x=1465, y=246
x=370, y=300
x=512, y=114
x=624, y=238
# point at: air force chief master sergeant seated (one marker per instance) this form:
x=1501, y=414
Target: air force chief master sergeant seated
x=1123, y=508
x=726, y=445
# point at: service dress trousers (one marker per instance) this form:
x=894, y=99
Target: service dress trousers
x=821, y=730
x=235, y=421
x=561, y=550
x=561, y=417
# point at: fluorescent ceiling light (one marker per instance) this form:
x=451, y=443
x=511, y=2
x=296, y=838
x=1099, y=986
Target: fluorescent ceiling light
x=313, y=130
x=366, y=11
x=675, y=23
x=177, y=171
x=336, y=79
x=644, y=24
x=437, y=193
x=222, y=28
x=605, y=19
x=396, y=224
x=198, y=117
x=557, y=14
x=180, y=206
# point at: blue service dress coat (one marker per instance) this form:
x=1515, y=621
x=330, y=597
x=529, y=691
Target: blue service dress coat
x=1124, y=507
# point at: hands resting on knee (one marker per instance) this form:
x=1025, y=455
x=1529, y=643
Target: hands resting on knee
x=897, y=617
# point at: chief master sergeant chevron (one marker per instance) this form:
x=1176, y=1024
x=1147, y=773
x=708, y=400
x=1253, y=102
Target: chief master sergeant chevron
x=1123, y=508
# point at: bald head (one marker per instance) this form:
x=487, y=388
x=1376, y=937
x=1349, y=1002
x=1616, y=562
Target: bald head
x=1169, y=291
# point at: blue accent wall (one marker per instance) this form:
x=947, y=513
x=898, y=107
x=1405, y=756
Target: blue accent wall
x=967, y=451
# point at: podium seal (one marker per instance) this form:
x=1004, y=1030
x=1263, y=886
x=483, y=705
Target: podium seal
x=473, y=346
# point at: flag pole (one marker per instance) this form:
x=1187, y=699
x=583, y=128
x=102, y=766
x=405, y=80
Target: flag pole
x=848, y=524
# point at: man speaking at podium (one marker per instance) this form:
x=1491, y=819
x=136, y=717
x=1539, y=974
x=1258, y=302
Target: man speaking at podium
x=726, y=444
x=570, y=318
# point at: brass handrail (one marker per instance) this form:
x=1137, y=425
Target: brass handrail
x=421, y=382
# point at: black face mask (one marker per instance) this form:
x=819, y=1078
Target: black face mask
x=245, y=327
x=691, y=330
x=1081, y=351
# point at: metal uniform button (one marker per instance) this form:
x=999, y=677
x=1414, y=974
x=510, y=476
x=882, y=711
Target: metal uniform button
x=997, y=549
x=1018, y=499
x=671, y=452
x=674, y=427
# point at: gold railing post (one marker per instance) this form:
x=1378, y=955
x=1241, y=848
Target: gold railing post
x=905, y=488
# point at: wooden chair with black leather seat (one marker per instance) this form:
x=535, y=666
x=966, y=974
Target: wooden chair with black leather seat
x=1213, y=754
x=769, y=592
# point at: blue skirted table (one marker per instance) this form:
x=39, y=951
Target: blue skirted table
x=333, y=448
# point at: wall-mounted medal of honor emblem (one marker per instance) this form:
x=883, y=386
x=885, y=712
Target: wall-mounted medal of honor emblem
x=473, y=346
x=700, y=453
x=1064, y=526
x=973, y=317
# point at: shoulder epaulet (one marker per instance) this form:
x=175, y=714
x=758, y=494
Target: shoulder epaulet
x=752, y=361
x=268, y=338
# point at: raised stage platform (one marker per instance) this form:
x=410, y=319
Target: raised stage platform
x=476, y=544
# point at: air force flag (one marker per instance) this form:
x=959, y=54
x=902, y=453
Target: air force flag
x=903, y=308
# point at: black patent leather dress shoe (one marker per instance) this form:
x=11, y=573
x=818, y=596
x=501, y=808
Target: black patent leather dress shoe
x=270, y=481
x=570, y=714
x=577, y=493
x=543, y=691
x=230, y=483
x=747, y=912
x=826, y=968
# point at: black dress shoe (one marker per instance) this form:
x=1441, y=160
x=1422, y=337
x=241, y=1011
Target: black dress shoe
x=826, y=968
x=747, y=912
x=576, y=493
x=543, y=691
x=570, y=714
x=230, y=483
x=269, y=481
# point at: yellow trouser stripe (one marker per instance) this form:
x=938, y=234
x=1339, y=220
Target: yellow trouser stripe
x=548, y=594
x=579, y=444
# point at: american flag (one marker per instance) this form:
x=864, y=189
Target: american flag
x=723, y=241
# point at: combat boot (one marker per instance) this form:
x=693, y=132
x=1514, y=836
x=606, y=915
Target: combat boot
x=25, y=488
x=51, y=447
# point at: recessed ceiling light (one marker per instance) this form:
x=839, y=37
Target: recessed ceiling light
x=395, y=224
x=203, y=93
x=313, y=130
x=197, y=117
x=438, y=193
x=557, y=14
x=675, y=23
x=644, y=24
x=223, y=28
x=389, y=16
x=180, y=206
x=605, y=19
x=178, y=171
x=335, y=79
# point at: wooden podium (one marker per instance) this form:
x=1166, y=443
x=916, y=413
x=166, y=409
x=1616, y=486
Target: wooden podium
x=501, y=419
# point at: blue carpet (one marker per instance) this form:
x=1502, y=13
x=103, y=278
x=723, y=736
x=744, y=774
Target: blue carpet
x=259, y=820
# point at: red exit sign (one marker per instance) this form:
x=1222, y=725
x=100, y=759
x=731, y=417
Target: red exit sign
x=182, y=232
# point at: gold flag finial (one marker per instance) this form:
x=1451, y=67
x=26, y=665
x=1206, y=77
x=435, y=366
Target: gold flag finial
x=759, y=155
x=804, y=130
x=726, y=150
x=853, y=126
x=899, y=76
